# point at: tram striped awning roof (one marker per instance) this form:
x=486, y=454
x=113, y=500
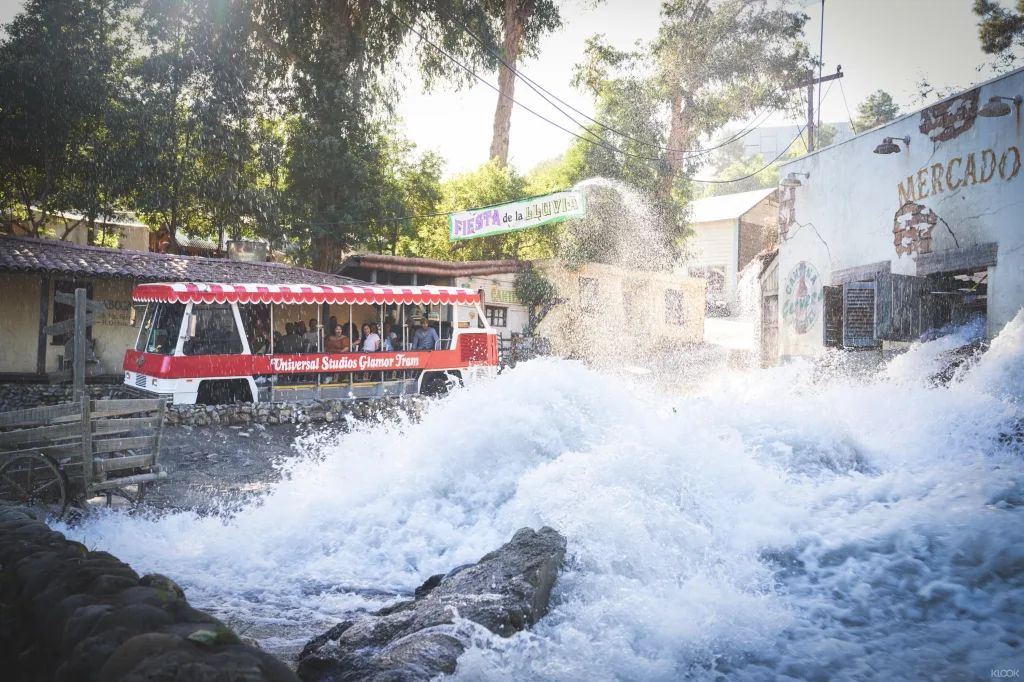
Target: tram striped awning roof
x=202, y=292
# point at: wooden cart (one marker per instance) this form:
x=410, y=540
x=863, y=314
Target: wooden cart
x=66, y=454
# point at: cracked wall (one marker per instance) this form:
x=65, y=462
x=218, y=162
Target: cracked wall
x=957, y=185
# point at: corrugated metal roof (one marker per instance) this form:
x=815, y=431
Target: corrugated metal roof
x=727, y=206
x=23, y=254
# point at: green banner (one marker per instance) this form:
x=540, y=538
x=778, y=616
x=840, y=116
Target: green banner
x=518, y=215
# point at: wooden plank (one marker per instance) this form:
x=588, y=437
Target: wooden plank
x=87, y=470
x=124, y=425
x=40, y=416
x=861, y=273
x=55, y=451
x=955, y=261
x=130, y=480
x=90, y=306
x=159, y=433
x=44, y=316
x=109, y=464
x=66, y=326
x=78, y=364
x=113, y=408
x=45, y=434
x=100, y=446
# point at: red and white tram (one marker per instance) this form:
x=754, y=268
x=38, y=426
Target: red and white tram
x=216, y=343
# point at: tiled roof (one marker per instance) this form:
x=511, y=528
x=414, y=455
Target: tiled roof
x=430, y=266
x=22, y=254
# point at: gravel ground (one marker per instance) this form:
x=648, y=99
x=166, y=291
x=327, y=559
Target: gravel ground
x=219, y=468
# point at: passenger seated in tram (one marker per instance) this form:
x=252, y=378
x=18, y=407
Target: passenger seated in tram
x=337, y=342
x=291, y=342
x=312, y=336
x=426, y=338
x=391, y=340
x=371, y=339
x=260, y=343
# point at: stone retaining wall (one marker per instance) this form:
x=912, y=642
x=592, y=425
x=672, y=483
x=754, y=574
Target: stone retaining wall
x=294, y=413
x=17, y=396
x=72, y=615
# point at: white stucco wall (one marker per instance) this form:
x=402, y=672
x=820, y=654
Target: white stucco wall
x=500, y=290
x=964, y=168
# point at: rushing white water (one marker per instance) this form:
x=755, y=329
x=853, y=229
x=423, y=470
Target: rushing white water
x=777, y=523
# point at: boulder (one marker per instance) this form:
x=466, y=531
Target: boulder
x=506, y=591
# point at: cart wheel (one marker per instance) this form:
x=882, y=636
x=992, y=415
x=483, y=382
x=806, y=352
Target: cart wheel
x=35, y=480
x=133, y=499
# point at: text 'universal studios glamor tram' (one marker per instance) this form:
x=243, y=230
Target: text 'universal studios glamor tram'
x=217, y=343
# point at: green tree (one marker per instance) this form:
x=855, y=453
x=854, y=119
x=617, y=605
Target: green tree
x=523, y=23
x=711, y=63
x=877, y=109
x=1000, y=30
x=60, y=115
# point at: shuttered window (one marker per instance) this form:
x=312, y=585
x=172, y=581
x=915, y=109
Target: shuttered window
x=859, y=315
x=833, y=307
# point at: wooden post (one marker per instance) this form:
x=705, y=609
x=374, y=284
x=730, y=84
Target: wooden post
x=44, y=319
x=79, y=344
x=88, y=475
x=810, y=118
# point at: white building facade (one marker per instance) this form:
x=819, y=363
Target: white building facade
x=728, y=231
x=907, y=228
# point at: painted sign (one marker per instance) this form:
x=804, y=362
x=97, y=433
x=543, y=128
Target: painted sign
x=974, y=168
x=803, y=296
x=341, y=363
x=519, y=215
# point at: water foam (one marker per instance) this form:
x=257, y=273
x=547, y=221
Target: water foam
x=774, y=523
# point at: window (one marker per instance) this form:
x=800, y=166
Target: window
x=215, y=332
x=675, y=307
x=256, y=323
x=634, y=292
x=588, y=294
x=497, y=316
x=160, y=328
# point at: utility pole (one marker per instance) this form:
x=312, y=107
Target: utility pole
x=812, y=128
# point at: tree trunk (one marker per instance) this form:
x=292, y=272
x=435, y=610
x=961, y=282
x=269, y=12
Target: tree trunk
x=513, y=24
x=672, y=161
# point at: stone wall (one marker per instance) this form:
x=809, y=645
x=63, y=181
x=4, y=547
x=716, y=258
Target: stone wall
x=16, y=396
x=70, y=614
x=294, y=413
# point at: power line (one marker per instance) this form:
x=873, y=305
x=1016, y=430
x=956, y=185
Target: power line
x=549, y=121
x=544, y=118
x=444, y=213
x=759, y=170
x=545, y=93
x=849, y=116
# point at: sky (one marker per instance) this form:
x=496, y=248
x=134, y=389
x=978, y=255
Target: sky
x=887, y=44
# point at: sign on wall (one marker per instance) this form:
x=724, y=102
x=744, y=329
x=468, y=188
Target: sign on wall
x=519, y=215
x=803, y=295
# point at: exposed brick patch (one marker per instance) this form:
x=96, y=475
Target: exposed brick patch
x=912, y=228
x=951, y=118
x=787, y=211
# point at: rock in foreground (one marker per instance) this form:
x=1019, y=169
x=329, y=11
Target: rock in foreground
x=506, y=591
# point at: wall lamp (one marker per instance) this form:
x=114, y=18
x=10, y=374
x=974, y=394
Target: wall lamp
x=791, y=180
x=997, y=106
x=889, y=145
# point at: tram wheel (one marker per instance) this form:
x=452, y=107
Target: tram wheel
x=35, y=480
